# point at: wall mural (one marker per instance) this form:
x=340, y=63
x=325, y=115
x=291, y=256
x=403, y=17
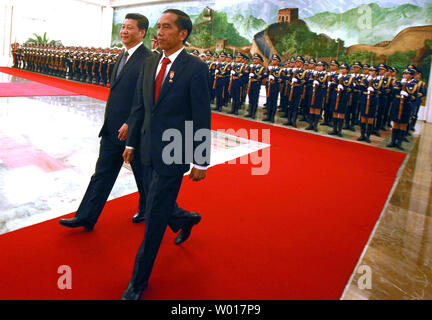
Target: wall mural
x=393, y=32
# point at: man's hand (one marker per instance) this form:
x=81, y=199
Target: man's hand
x=128, y=155
x=197, y=174
x=123, y=131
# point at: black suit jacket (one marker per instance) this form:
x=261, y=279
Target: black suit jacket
x=185, y=98
x=120, y=99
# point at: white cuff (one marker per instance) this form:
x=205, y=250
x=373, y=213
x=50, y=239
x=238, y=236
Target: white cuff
x=199, y=167
x=128, y=147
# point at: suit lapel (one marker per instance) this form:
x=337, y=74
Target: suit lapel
x=175, y=71
x=149, y=80
x=127, y=65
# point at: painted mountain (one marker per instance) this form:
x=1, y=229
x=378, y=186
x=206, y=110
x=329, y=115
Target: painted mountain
x=370, y=24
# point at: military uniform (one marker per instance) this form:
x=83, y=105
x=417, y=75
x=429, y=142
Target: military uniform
x=222, y=73
x=339, y=98
x=275, y=79
x=369, y=100
x=351, y=117
x=257, y=73
x=405, y=92
x=328, y=115
x=297, y=93
x=316, y=98
x=236, y=85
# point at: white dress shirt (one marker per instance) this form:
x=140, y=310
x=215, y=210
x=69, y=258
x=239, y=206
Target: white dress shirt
x=172, y=58
x=132, y=50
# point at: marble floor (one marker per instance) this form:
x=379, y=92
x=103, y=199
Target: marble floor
x=399, y=251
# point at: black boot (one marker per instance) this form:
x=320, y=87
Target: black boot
x=311, y=122
x=363, y=132
x=315, y=122
x=369, y=129
x=294, y=119
x=335, y=127
x=339, y=128
x=392, y=144
x=288, y=123
x=399, y=139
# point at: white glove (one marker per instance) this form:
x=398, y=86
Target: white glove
x=404, y=93
x=251, y=75
x=232, y=72
x=340, y=87
x=251, y=65
x=369, y=78
x=316, y=83
x=370, y=89
x=294, y=80
x=216, y=71
x=403, y=81
x=354, y=85
x=294, y=69
x=271, y=77
x=340, y=76
x=329, y=84
x=270, y=67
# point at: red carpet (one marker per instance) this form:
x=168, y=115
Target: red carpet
x=295, y=233
x=28, y=89
x=85, y=89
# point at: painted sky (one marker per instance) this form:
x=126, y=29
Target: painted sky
x=266, y=12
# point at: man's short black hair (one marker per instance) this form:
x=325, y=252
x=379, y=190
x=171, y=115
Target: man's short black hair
x=143, y=22
x=183, y=21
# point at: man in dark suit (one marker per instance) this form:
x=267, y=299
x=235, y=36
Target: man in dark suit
x=115, y=127
x=172, y=101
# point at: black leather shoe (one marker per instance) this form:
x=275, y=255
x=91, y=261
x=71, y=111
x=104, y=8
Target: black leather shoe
x=132, y=293
x=75, y=223
x=138, y=217
x=186, y=230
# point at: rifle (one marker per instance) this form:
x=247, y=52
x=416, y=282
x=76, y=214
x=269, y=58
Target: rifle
x=328, y=94
x=402, y=100
x=214, y=82
x=338, y=95
x=292, y=86
x=314, y=91
x=368, y=99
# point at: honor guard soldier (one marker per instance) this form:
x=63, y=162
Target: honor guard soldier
x=195, y=52
x=382, y=99
x=340, y=96
x=287, y=77
x=235, y=85
x=351, y=117
x=405, y=91
x=318, y=95
x=103, y=69
x=212, y=67
x=371, y=87
x=311, y=65
x=155, y=45
x=257, y=73
x=275, y=78
x=334, y=71
x=111, y=62
x=222, y=73
x=421, y=92
x=297, y=91
x=245, y=78
x=230, y=63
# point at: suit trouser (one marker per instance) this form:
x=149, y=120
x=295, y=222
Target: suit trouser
x=101, y=183
x=161, y=211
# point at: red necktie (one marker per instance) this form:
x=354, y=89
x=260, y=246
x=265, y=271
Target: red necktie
x=160, y=77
